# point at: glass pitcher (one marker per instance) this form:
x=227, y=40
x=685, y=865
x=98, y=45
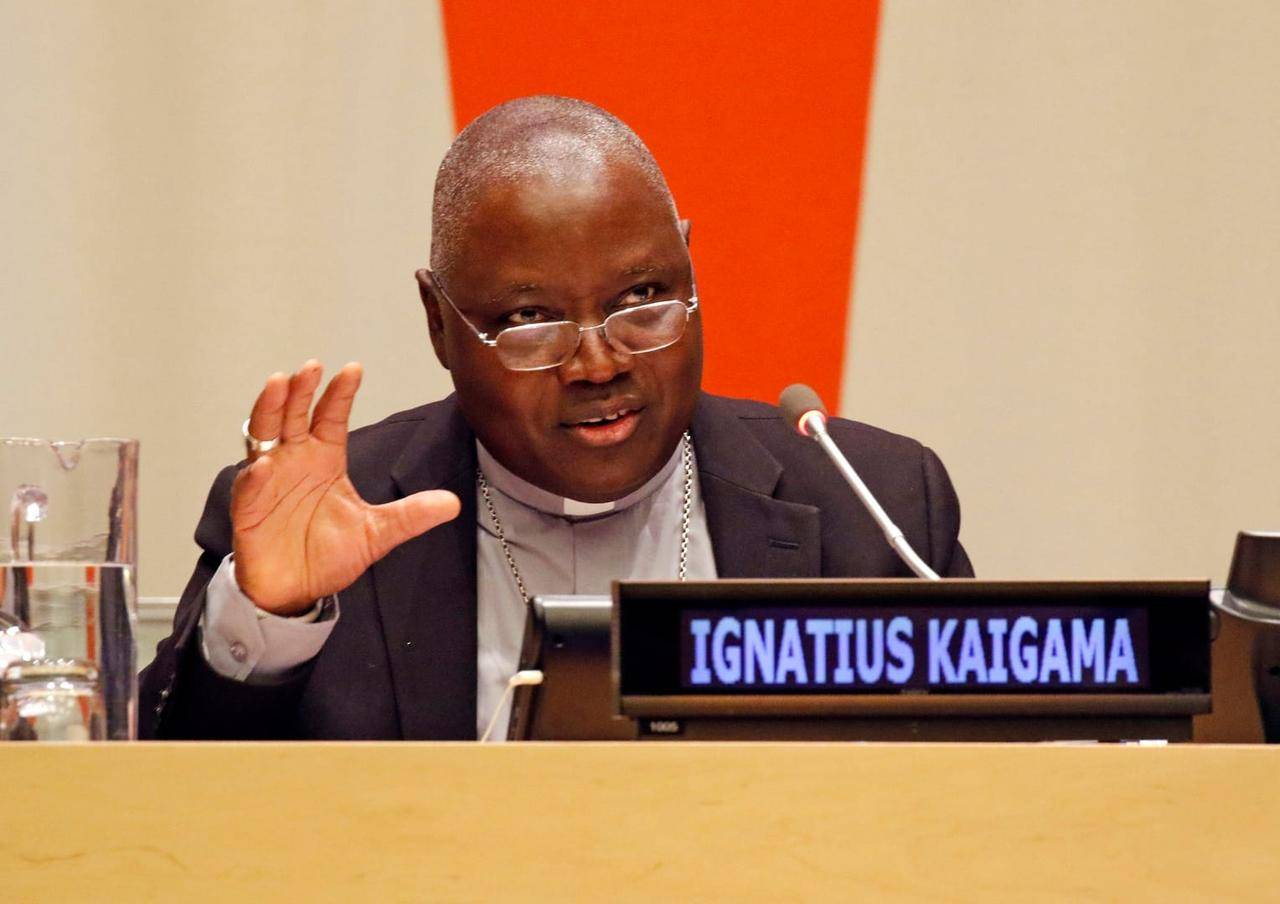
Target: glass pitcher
x=68, y=559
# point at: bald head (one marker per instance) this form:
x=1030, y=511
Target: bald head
x=559, y=140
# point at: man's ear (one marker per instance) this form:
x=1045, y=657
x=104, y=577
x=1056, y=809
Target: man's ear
x=435, y=323
x=685, y=226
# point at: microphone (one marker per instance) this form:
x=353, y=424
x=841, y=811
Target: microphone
x=805, y=412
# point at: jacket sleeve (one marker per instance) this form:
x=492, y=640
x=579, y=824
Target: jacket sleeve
x=180, y=696
x=946, y=556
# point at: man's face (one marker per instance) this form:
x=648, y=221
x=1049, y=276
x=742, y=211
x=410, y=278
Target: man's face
x=570, y=248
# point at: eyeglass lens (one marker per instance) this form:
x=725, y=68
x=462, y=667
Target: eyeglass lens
x=646, y=328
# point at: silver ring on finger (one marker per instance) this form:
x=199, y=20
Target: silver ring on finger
x=253, y=445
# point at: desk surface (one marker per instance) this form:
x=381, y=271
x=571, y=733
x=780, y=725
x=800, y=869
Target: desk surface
x=638, y=821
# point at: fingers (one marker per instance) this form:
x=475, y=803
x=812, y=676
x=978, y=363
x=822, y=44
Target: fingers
x=333, y=411
x=297, y=407
x=283, y=407
x=396, y=522
x=268, y=410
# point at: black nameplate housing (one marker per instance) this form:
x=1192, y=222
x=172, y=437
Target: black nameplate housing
x=904, y=637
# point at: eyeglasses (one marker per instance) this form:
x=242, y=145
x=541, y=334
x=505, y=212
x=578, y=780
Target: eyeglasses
x=540, y=346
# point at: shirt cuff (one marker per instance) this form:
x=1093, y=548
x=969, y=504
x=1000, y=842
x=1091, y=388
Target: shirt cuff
x=245, y=643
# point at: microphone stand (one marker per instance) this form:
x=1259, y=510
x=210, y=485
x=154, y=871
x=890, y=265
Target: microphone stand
x=815, y=425
x=805, y=411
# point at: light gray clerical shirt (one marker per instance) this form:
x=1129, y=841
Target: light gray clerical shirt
x=563, y=546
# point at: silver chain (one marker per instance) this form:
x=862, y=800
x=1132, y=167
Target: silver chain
x=686, y=505
x=502, y=537
x=686, y=515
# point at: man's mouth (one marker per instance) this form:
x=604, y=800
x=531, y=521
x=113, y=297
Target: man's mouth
x=607, y=428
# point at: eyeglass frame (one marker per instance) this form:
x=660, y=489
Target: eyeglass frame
x=690, y=306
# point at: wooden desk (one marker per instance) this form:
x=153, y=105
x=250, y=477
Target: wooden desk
x=638, y=822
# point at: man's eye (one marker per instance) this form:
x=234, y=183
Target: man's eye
x=525, y=316
x=639, y=295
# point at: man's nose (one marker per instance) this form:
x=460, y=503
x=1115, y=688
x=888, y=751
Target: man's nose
x=597, y=360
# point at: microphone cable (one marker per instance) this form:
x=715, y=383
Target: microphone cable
x=522, y=678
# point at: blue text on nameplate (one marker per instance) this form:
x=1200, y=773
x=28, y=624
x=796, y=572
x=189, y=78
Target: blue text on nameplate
x=845, y=649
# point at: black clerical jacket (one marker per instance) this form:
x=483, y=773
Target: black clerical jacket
x=401, y=662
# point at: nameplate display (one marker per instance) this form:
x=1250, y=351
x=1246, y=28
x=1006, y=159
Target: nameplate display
x=893, y=637
x=892, y=648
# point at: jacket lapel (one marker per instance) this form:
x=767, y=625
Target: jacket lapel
x=753, y=534
x=426, y=589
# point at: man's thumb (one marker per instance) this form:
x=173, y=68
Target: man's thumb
x=396, y=522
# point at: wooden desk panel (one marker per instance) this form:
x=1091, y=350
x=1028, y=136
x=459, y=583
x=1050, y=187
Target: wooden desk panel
x=638, y=822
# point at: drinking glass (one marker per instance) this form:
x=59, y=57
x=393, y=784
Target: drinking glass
x=51, y=700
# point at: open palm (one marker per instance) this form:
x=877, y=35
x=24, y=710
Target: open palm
x=300, y=529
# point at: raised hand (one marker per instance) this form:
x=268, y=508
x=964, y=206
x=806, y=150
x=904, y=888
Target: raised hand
x=300, y=529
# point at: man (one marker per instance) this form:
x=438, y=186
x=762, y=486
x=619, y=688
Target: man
x=576, y=450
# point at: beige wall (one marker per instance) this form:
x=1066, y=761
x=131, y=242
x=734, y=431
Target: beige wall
x=194, y=195
x=1067, y=275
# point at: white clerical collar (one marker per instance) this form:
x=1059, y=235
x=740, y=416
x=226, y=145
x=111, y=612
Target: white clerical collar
x=535, y=497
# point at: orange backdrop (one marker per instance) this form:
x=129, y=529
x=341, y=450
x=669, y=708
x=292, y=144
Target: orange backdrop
x=756, y=112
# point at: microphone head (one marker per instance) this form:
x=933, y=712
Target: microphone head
x=798, y=400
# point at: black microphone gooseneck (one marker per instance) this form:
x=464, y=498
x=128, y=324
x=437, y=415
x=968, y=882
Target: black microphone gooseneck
x=805, y=412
